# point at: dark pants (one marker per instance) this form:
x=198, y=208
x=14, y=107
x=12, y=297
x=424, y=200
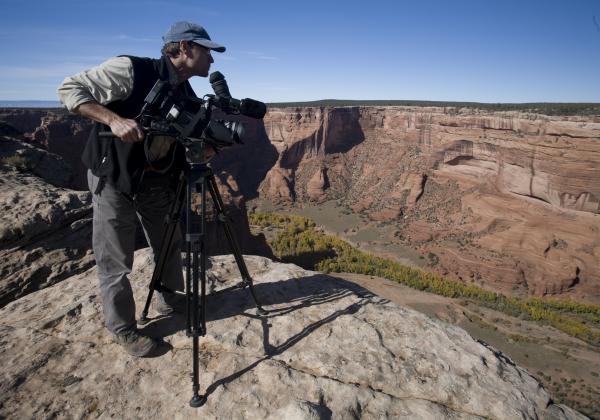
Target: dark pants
x=113, y=242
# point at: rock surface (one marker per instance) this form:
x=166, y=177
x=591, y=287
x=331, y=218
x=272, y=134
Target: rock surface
x=45, y=231
x=17, y=154
x=57, y=132
x=66, y=135
x=26, y=120
x=326, y=349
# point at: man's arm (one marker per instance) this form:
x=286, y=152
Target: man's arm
x=126, y=129
x=86, y=94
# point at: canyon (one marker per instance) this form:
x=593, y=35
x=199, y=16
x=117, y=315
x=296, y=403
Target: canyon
x=508, y=200
x=505, y=200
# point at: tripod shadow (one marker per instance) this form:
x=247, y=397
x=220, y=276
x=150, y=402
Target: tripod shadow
x=272, y=351
x=279, y=299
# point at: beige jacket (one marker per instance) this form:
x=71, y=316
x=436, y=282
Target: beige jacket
x=108, y=82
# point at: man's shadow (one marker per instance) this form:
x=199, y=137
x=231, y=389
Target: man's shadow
x=279, y=299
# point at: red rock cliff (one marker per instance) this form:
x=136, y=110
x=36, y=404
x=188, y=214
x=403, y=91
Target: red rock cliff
x=506, y=198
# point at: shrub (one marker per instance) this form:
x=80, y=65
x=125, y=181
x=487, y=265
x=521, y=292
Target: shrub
x=16, y=161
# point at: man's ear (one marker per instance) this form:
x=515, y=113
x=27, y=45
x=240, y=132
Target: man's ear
x=184, y=47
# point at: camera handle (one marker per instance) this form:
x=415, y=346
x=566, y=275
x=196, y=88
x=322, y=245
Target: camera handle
x=196, y=178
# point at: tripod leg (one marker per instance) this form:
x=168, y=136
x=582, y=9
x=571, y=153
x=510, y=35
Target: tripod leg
x=198, y=328
x=171, y=224
x=188, y=291
x=197, y=399
x=203, y=257
x=235, y=247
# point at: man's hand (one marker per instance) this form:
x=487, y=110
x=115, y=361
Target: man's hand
x=127, y=130
x=208, y=153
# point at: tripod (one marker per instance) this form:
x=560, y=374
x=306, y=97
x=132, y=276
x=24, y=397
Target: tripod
x=196, y=178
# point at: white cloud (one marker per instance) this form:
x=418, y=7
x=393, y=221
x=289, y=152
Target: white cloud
x=181, y=7
x=277, y=88
x=124, y=37
x=259, y=55
x=37, y=72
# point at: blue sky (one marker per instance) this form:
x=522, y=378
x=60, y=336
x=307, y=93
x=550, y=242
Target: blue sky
x=462, y=50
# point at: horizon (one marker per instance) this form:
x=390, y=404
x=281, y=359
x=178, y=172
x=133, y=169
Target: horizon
x=503, y=53
x=30, y=103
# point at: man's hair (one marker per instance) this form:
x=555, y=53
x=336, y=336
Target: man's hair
x=170, y=49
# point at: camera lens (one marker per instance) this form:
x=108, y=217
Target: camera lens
x=235, y=127
x=224, y=133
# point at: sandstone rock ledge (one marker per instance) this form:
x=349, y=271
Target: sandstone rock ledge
x=45, y=234
x=327, y=349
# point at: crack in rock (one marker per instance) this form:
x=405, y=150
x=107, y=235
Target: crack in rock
x=375, y=390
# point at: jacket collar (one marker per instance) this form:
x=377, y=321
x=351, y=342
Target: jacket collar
x=166, y=71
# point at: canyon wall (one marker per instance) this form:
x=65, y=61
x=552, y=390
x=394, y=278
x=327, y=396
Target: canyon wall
x=507, y=199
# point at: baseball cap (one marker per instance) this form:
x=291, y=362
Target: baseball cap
x=188, y=31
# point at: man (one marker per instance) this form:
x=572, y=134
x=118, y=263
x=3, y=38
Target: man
x=124, y=186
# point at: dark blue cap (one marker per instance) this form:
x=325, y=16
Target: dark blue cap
x=188, y=31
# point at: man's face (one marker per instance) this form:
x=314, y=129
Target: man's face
x=200, y=59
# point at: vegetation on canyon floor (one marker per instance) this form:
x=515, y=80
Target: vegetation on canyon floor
x=299, y=241
x=534, y=107
x=16, y=161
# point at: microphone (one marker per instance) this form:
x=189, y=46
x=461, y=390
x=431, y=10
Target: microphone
x=251, y=108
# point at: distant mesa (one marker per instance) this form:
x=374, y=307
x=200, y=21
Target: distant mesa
x=30, y=104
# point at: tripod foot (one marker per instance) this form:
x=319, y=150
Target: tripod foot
x=261, y=311
x=143, y=319
x=197, y=401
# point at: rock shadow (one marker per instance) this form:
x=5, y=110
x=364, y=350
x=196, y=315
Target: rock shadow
x=272, y=351
x=339, y=134
x=247, y=163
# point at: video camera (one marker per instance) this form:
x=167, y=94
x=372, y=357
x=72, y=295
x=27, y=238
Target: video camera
x=189, y=120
